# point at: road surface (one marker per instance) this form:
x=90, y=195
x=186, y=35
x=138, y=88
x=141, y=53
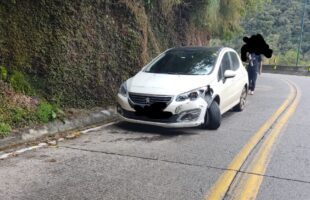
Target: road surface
x=260, y=153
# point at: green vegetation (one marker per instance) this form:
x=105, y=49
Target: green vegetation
x=5, y=129
x=280, y=23
x=18, y=114
x=75, y=54
x=18, y=110
x=80, y=51
x=3, y=73
x=222, y=17
x=19, y=83
x=46, y=112
x=219, y=18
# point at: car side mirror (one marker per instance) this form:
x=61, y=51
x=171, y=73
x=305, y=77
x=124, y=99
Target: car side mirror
x=229, y=74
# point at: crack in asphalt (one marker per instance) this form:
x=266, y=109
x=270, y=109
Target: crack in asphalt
x=144, y=138
x=186, y=164
x=275, y=177
x=141, y=157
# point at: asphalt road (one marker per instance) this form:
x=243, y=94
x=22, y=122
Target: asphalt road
x=128, y=161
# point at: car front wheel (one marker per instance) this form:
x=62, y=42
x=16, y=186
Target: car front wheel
x=213, y=117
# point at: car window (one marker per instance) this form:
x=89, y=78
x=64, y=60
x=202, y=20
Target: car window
x=234, y=60
x=225, y=65
x=185, y=61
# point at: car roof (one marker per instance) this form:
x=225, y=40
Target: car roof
x=197, y=48
x=217, y=49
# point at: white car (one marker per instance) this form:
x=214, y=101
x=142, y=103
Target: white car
x=185, y=87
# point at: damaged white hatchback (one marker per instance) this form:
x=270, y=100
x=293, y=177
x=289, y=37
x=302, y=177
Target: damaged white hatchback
x=185, y=87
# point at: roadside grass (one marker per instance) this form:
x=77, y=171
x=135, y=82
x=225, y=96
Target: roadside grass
x=5, y=129
x=19, y=106
x=46, y=112
x=15, y=116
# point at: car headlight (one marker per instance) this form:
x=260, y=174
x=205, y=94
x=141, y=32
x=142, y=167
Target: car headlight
x=191, y=95
x=123, y=90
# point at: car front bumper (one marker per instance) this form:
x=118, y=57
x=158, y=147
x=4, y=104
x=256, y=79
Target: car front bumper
x=181, y=114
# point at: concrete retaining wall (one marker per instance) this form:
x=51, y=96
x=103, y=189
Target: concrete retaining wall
x=292, y=70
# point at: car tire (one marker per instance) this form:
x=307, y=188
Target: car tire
x=241, y=105
x=212, y=117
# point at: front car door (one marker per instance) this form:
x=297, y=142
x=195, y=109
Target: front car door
x=237, y=81
x=225, y=91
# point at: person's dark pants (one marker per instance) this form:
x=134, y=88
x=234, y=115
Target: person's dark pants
x=252, y=78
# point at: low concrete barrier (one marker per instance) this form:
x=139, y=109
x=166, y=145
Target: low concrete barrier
x=52, y=128
x=292, y=70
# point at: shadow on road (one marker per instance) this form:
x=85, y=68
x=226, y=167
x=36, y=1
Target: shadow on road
x=149, y=129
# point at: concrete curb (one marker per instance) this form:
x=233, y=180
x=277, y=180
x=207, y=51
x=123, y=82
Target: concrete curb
x=291, y=70
x=55, y=127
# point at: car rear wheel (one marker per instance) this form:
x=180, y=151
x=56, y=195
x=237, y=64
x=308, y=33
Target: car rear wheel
x=241, y=105
x=213, y=117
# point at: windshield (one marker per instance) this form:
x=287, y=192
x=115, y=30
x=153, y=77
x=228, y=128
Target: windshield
x=185, y=62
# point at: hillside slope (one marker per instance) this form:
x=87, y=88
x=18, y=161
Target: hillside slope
x=279, y=21
x=78, y=53
x=75, y=54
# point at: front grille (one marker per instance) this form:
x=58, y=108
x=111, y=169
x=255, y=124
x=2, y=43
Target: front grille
x=167, y=118
x=144, y=99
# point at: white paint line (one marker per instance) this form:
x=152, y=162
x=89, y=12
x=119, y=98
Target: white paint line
x=106, y=112
x=97, y=128
x=25, y=149
x=4, y=156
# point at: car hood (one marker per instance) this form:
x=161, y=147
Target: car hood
x=165, y=84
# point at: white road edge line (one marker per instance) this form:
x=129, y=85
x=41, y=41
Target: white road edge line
x=97, y=128
x=4, y=156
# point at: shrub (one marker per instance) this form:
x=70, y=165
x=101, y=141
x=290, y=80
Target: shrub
x=19, y=83
x=3, y=73
x=18, y=114
x=166, y=6
x=5, y=129
x=46, y=112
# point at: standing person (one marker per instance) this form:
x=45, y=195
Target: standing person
x=254, y=67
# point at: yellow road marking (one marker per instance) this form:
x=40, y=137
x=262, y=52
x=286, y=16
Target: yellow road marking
x=260, y=162
x=222, y=185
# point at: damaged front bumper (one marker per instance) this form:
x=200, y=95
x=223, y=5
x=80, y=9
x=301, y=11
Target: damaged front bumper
x=175, y=115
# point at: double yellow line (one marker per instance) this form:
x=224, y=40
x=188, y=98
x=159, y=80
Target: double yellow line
x=251, y=181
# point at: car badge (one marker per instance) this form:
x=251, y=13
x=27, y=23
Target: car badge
x=147, y=100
